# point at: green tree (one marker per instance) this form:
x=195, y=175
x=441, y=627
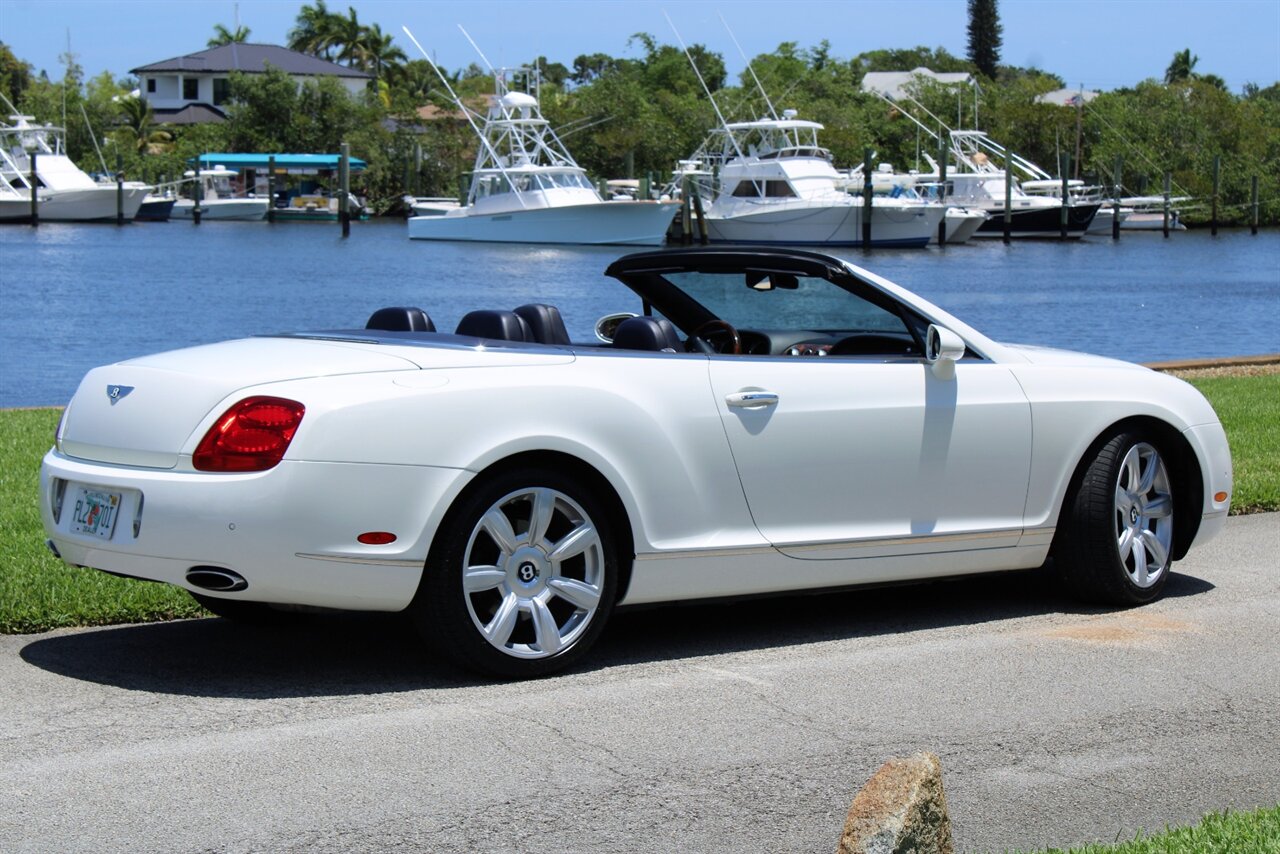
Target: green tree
x=1182, y=68
x=314, y=31
x=15, y=75
x=139, y=130
x=222, y=35
x=984, y=36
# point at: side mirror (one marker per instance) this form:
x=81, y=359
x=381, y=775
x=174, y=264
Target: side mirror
x=942, y=349
x=608, y=325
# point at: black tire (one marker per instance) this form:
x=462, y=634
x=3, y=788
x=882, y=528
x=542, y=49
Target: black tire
x=1125, y=497
x=248, y=613
x=495, y=624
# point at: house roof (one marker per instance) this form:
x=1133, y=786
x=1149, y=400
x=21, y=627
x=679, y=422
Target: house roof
x=251, y=58
x=894, y=84
x=191, y=114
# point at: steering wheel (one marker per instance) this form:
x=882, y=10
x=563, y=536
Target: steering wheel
x=715, y=336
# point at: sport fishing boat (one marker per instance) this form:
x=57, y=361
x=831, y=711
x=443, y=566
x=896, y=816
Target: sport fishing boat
x=777, y=185
x=64, y=192
x=527, y=188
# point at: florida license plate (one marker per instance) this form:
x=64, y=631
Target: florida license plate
x=94, y=512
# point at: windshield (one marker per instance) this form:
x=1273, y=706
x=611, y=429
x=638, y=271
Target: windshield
x=758, y=300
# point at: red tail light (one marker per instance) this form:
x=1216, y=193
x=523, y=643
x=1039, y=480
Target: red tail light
x=250, y=436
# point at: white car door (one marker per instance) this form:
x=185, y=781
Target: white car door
x=844, y=457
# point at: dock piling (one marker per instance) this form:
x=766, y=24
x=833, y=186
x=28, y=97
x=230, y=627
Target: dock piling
x=344, y=178
x=1008, y=201
x=271, y=189
x=942, y=189
x=866, y=198
x=35, y=194
x=1217, y=172
x=1168, y=187
x=1064, y=168
x=199, y=195
x=1253, y=194
x=119, y=188
x=1115, y=198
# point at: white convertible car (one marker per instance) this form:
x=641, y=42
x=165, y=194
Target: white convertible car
x=771, y=420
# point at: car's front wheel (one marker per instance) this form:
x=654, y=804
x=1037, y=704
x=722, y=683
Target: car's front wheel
x=1118, y=541
x=522, y=576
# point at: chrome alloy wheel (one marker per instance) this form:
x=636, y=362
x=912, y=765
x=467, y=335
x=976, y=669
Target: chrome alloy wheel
x=533, y=573
x=1144, y=515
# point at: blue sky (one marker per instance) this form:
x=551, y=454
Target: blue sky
x=1101, y=44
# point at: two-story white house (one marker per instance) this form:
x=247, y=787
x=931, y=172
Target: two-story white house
x=192, y=89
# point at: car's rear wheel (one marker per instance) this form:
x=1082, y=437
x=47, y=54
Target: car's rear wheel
x=522, y=576
x=1118, y=541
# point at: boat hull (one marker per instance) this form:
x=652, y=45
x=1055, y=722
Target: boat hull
x=155, y=210
x=222, y=209
x=1041, y=222
x=90, y=204
x=825, y=225
x=961, y=225
x=602, y=223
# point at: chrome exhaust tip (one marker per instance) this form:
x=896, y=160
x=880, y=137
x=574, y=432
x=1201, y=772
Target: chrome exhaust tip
x=216, y=578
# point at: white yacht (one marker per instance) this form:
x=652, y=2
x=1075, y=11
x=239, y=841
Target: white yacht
x=777, y=185
x=907, y=188
x=527, y=188
x=218, y=199
x=64, y=193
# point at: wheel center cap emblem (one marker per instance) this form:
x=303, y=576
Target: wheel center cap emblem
x=1133, y=515
x=527, y=572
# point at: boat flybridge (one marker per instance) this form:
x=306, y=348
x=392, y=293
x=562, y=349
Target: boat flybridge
x=777, y=185
x=64, y=193
x=527, y=188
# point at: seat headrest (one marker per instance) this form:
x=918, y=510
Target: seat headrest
x=401, y=318
x=646, y=333
x=501, y=325
x=545, y=323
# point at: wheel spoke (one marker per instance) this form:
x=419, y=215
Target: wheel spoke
x=1126, y=543
x=575, y=542
x=496, y=524
x=504, y=621
x=1159, y=507
x=1152, y=546
x=545, y=628
x=1149, y=476
x=1123, y=499
x=544, y=507
x=1139, y=562
x=576, y=592
x=477, y=578
x=1132, y=467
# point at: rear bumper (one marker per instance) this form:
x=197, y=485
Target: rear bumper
x=290, y=531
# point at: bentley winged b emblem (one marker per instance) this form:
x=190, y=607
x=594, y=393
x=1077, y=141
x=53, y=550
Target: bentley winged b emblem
x=116, y=392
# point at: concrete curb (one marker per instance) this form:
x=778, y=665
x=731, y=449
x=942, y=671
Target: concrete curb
x=1227, y=362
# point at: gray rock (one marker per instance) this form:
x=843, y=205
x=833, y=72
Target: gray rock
x=901, y=810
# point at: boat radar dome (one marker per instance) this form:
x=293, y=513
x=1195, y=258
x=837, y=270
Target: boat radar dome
x=519, y=101
x=789, y=114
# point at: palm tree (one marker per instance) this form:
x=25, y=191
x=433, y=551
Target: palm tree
x=139, y=129
x=376, y=53
x=221, y=35
x=1182, y=68
x=314, y=31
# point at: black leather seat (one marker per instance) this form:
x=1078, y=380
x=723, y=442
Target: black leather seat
x=545, y=323
x=401, y=318
x=501, y=325
x=647, y=333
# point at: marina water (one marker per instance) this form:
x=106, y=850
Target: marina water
x=76, y=296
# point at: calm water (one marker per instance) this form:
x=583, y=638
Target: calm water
x=76, y=296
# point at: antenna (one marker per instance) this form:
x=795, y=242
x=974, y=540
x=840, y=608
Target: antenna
x=705, y=88
x=466, y=112
x=487, y=63
x=94, y=137
x=743, y=54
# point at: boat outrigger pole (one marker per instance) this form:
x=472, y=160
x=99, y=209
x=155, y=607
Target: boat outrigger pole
x=705, y=88
x=466, y=112
x=743, y=54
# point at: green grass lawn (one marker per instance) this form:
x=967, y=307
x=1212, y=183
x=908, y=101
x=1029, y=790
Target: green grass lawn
x=1256, y=832
x=39, y=592
x=1249, y=407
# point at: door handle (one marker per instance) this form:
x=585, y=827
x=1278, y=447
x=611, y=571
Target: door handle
x=751, y=399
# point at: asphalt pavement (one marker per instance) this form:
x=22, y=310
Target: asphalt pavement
x=726, y=727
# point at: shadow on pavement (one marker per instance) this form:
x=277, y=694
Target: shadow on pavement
x=353, y=654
